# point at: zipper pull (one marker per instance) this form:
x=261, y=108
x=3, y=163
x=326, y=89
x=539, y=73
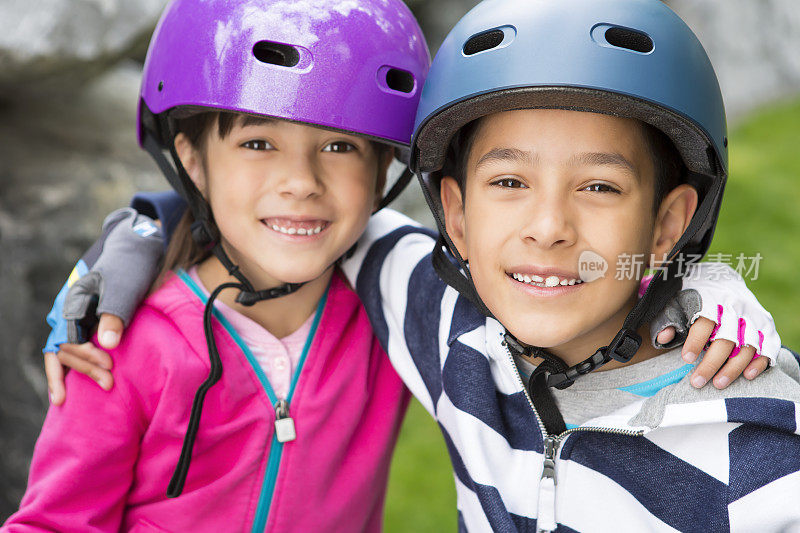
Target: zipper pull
x=284, y=425
x=546, y=520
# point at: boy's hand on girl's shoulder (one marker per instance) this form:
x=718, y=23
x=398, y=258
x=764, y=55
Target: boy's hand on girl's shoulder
x=85, y=358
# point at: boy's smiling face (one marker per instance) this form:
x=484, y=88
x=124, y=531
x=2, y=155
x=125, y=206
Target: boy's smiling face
x=542, y=187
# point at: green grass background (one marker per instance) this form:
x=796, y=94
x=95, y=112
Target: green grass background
x=760, y=214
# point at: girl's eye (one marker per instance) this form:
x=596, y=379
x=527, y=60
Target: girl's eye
x=257, y=144
x=509, y=183
x=339, y=146
x=601, y=187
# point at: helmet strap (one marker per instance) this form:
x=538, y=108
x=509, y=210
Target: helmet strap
x=458, y=278
x=396, y=189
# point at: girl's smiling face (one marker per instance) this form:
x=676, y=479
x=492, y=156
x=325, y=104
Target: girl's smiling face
x=288, y=199
x=543, y=187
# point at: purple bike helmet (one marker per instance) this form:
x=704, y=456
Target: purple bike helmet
x=356, y=67
x=351, y=66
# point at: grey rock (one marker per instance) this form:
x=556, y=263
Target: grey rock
x=65, y=162
x=55, y=42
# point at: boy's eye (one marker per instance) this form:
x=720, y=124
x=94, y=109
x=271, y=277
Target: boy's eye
x=601, y=187
x=257, y=144
x=509, y=183
x=339, y=146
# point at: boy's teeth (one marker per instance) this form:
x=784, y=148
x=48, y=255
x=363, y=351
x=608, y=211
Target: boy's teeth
x=550, y=281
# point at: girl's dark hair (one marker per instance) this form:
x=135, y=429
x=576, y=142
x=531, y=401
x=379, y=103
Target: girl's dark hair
x=183, y=251
x=670, y=171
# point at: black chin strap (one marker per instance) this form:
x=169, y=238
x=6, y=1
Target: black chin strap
x=397, y=188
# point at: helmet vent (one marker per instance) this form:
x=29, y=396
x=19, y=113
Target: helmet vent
x=629, y=39
x=483, y=41
x=399, y=80
x=276, y=53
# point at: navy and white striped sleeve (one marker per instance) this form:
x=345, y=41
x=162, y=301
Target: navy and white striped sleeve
x=392, y=273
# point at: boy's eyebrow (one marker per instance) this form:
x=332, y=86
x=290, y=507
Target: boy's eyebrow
x=603, y=158
x=506, y=154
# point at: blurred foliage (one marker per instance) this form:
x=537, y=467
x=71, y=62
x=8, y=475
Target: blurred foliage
x=422, y=495
x=760, y=212
x=760, y=215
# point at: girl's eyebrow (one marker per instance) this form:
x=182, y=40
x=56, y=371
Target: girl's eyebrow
x=603, y=158
x=513, y=155
x=250, y=120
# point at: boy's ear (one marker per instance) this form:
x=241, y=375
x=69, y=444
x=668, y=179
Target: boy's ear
x=453, y=204
x=191, y=161
x=673, y=218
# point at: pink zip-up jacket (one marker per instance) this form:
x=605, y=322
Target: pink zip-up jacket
x=104, y=459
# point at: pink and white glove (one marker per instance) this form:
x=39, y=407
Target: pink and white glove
x=723, y=298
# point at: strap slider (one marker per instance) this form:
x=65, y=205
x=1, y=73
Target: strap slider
x=204, y=234
x=624, y=346
x=514, y=345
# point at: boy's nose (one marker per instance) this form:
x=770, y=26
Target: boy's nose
x=548, y=224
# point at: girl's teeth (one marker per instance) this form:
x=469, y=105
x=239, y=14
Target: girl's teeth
x=537, y=279
x=296, y=231
x=551, y=281
x=564, y=282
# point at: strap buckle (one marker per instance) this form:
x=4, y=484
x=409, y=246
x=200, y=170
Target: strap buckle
x=248, y=298
x=562, y=380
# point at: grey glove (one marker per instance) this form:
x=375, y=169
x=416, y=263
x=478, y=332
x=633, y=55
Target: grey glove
x=677, y=313
x=121, y=265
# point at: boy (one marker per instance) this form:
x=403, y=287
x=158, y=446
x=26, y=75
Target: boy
x=547, y=130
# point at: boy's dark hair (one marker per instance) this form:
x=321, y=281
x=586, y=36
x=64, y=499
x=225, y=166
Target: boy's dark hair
x=183, y=251
x=670, y=170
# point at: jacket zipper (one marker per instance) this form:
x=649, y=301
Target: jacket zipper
x=284, y=423
x=546, y=514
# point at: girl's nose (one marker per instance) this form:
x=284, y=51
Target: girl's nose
x=301, y=180
x=548, y=222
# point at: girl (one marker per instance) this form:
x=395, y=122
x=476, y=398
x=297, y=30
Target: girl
x=281, y=120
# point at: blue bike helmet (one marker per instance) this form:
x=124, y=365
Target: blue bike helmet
x=627, y=58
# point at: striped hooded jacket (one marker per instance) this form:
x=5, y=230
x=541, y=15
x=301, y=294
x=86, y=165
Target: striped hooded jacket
x=681, y=460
